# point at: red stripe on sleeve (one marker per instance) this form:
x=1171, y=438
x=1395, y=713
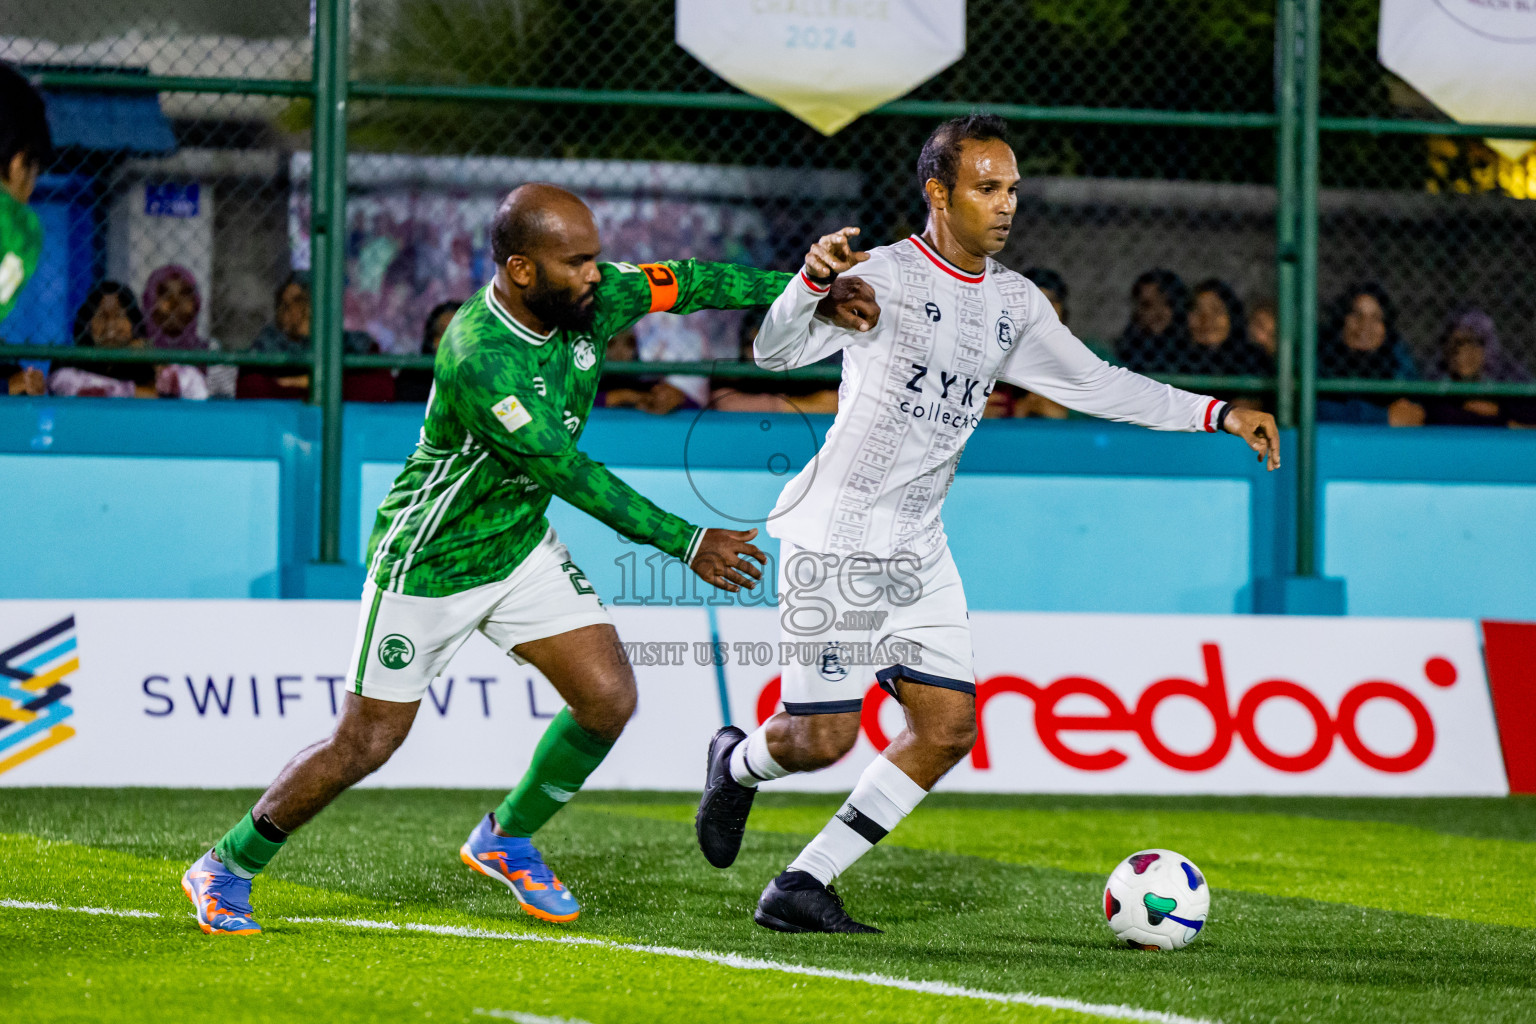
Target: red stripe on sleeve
x=813, y=286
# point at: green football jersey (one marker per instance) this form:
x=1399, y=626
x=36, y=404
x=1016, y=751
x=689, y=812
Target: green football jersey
x=506, y=411
x=21, y=243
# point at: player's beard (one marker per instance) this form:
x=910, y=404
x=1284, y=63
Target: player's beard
x=558, y=307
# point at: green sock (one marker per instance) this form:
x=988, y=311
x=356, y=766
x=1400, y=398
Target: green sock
x=244, y=850
x=565, y=756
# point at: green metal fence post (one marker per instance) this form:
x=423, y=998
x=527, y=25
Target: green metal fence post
x=328, y=171
x=1306, y=311
x=1286, y=319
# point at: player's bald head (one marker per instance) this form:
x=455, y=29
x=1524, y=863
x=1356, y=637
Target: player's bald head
x=536, y=217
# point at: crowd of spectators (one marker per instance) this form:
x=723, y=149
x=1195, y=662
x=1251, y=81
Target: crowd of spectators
x=1171, y=329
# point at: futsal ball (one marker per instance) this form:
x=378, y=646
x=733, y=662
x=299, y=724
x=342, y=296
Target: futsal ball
x=1156, y=899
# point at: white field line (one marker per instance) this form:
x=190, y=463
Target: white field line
x=28, y=905
x=526, y=1018
x=732, y=960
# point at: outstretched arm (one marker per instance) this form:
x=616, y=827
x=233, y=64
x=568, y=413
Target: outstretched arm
x=629, y=291
x=1051, y=361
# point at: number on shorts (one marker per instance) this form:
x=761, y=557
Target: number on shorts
x=577, y=577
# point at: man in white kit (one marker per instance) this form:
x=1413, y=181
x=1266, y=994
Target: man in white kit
x=865, y=570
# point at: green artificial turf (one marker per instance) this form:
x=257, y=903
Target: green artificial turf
x=1331, y=910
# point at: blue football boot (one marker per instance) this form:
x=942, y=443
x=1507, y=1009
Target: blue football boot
x=517, y=865
x=221, y=897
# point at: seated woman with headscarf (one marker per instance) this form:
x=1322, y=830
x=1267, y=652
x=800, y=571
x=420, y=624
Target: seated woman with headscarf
x=109, y=318
x=172, y=303
x=1360, y=340
x=1470, y=352
x=1158, y=328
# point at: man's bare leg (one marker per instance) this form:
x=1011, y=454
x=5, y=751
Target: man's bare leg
x=369, y=732
x=588, y=668
x=219, y=883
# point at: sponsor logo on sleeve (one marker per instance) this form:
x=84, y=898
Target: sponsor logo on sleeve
x=512, y=413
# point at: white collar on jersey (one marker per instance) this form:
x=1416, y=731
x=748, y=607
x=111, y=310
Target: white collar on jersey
x=509, y=321
x=944, y=264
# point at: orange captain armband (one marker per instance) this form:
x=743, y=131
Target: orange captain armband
x=663, y=284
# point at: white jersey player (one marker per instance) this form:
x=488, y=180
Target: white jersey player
x=865, y=571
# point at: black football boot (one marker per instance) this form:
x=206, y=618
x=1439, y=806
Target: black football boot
x=797, y=902
x=723, y=809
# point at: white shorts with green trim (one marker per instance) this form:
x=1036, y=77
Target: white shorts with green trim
x=857, y=619
x=404, y=642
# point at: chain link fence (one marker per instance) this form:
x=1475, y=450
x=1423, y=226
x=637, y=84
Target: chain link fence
x=1146, y=134
x=1426, y=239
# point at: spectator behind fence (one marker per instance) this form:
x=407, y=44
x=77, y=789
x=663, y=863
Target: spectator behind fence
x=1360, y=339
x=288, y=334
x=1005, y=399
x=1158, y=328
x=23, y=380
x=666, y=339
x=109, y=318
x=416, y=385
x=1264, y=330
x=1218, y=335
x=172, y=303
x=771, y=394
x=1470, y=352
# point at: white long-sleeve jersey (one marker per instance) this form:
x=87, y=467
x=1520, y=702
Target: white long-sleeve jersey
x=914, y=388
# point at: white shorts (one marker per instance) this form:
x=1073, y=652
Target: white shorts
x=856, y=619
x=405, y=642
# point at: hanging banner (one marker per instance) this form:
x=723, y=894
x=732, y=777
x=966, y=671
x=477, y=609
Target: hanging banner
x=1474, y=59
x=825, y=61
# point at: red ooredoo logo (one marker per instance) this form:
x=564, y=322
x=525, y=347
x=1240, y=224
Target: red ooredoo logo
x=1239, y=723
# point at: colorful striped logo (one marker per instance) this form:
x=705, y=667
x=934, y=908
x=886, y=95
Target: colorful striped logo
x=32, y=692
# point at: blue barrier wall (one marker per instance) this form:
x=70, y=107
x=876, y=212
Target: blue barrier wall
x=102, y=498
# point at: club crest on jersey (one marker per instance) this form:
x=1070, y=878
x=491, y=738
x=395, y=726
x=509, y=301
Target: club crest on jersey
x=584, y=355
x=832, y=667
x=512, y=413
x=1005, y=332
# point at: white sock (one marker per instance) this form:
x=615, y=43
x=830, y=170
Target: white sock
x=751, y=762
x=884, y=795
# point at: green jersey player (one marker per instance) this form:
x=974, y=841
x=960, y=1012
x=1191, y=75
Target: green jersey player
x=24, y=144
x=462, y=543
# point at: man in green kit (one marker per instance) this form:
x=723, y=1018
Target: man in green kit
x=25, y=143
x=462, y=543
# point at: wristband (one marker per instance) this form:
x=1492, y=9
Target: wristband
x=1221, y=417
